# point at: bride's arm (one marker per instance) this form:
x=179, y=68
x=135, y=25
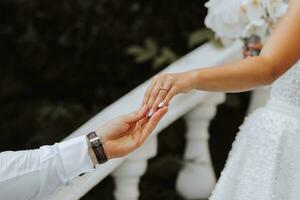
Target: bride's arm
x=280, y=52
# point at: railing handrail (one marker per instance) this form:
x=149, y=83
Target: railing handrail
x=204, y=56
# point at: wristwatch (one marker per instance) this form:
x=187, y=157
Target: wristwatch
x=97, y=147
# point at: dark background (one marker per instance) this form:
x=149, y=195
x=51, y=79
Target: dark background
x=63, y=61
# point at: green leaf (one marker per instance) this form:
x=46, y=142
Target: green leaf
x=159, y=61
x=217, y=42
x=151, y=46
x=169, y=54
x=145, y=53
x=134, y=50
x=144, y=56
x=199, y=36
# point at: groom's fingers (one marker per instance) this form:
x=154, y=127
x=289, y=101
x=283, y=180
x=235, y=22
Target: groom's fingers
x=152, y=123
x=143, y=121
x=136, y=116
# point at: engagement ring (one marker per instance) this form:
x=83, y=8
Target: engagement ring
x=161, y=88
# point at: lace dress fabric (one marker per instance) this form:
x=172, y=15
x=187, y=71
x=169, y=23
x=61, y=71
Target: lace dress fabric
x=264, y=163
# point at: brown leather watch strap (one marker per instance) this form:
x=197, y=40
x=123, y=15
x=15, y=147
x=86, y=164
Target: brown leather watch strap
x=97, y=147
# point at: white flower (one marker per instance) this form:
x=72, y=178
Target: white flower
x=254, y=9
x=225, y=18
x=234, y=19
x=275, y=8
x=258, y=27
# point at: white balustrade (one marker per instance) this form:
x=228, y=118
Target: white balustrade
x=197, y=179
x=128, y=170
x=127, y=176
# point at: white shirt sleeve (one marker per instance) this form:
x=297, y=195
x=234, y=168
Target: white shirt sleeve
x=36, y=174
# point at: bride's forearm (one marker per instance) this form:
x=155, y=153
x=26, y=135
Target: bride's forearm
x=279, y=53
x=240, y=76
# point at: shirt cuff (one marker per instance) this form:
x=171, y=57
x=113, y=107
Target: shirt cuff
x=75, y=157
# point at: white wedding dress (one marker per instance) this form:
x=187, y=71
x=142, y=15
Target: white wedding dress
x=264, y=163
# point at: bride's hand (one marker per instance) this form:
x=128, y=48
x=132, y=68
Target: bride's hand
x=251, y=47
x=164, y=87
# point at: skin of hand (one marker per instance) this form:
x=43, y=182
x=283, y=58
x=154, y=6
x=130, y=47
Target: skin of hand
x=280, y=52
x=124, y=134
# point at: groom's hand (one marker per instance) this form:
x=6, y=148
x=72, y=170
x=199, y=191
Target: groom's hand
x=124, y=134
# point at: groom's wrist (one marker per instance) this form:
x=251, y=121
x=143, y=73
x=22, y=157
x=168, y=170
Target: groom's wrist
x=91, y=153
x=103, y=136
x=97, y=148
x=107, y=150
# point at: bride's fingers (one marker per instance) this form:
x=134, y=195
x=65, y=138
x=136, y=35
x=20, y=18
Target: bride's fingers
x=152, y=123
x=148, y=92
x=162, y=94
x=256, y=46
x=169, y=97
x=163, y=91
x=154, y=93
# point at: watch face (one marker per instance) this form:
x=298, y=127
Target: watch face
x=96, y=143
x=92, y=135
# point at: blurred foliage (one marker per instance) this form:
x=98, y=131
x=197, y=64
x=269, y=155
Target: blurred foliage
x=151, y=51
x=64, y=61
x=162, y=56
x=57, y=59
x=202, y=35
x=144, y=53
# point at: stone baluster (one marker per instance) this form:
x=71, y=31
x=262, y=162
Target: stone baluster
x=197, y=179
x=127, y=175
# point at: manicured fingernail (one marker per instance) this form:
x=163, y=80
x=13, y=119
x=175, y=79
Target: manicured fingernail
x=161, y=105
x=150, y=113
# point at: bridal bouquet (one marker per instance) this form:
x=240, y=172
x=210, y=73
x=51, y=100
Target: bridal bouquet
x=240, y=19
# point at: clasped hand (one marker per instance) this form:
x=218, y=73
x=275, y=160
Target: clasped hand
x=122, y=135
x=164, y=87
